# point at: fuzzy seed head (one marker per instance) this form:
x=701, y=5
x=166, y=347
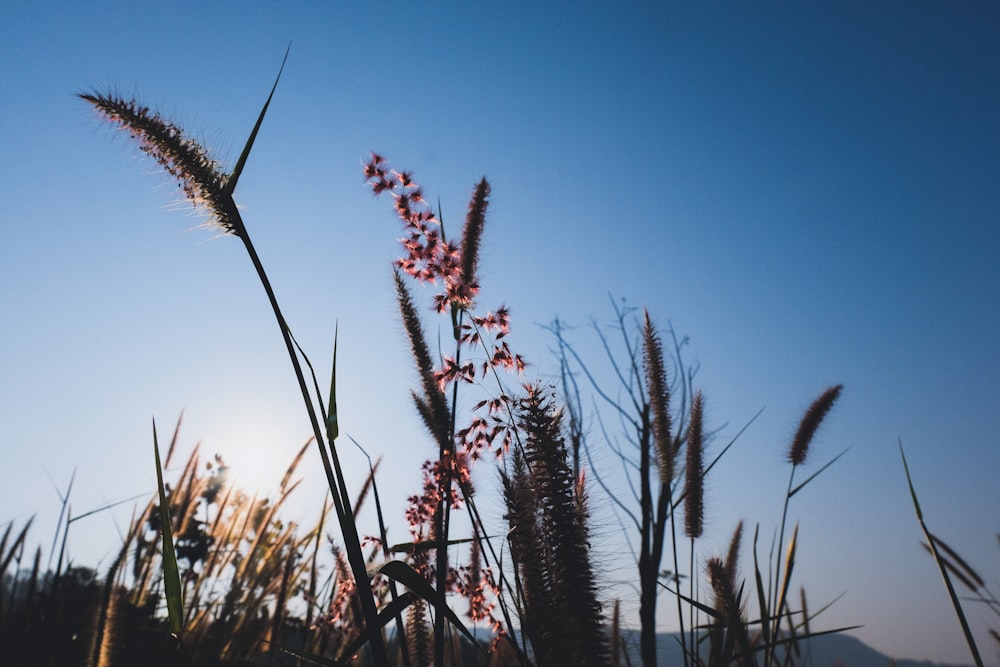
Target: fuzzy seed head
x=200, y=177
x=659, y=399
x=810, y=423
x=694, y=509
x=471, y=235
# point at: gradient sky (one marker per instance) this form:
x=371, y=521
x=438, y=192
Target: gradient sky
x=809, y=192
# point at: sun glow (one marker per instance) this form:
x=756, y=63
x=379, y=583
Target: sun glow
x=256, y=457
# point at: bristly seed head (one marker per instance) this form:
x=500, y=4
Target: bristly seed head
x=694, y=502
x=659, y=400
x=200, y=177
x=471, y=235
x=810, y=423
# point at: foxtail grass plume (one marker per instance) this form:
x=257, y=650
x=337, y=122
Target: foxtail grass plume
x=550, y=542
x=418, y=634
x=733, y=554
x=659, y=399
x=467, y=285
x=810, y=423
x=726, y=601
x=729, y=605
x=199, y=176
x=694, y=509
x=428, y=254
x=432, y=405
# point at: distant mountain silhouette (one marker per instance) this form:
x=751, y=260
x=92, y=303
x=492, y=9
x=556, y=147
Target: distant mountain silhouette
x=824, y=651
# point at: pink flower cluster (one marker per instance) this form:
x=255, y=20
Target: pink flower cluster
x=429, y=256
x=420, y=508
x=432, y=259
x=492, y=431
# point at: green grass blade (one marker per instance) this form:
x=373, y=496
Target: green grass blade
x=306, y=656
x=909, y=482
x=779, y=609
x=817, y=473
x=961, y=564
x=390, y=612
x=939, y=561
x=710, y=611
x=765, y=612
x=16, y=546
x=171, y=574
x=332, y=428
x=230, y=186
x=427, y=545
x=406, y=575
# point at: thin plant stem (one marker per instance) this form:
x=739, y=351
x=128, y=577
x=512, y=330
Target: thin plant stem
x=776, y=613
x=665, y=507
x=331, y=463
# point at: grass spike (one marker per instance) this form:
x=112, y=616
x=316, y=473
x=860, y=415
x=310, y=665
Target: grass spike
x=473, y=231
x=694, y=508
x=810, y=423
x=659, y=400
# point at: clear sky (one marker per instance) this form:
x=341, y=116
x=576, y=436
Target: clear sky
x=809, y=192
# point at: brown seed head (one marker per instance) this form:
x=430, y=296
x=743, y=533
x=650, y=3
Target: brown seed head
x=694, y=509
x=659, y=400
x=810, y=423
x=200, y=177
x=471, y=235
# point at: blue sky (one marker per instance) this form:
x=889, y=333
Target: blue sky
x=808, y=192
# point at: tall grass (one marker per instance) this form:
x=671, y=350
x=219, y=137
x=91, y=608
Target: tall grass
x=661, y=413
x=430, y=258
x=211, y=189
x=236, y=583
x=951, y=564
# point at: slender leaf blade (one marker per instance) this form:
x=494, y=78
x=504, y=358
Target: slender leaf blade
x=406, y=575
x=230, y=185
x=171, y=573
x=817, y=473
x=332, y=427
x=939, y=561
